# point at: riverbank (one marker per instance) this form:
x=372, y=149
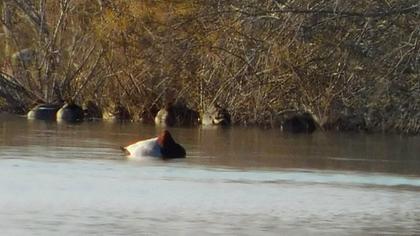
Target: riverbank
x=352, y=67
x=351, y=123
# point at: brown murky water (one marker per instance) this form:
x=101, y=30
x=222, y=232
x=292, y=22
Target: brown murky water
x=60, y=179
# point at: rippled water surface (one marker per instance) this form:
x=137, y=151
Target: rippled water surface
x=60, y=179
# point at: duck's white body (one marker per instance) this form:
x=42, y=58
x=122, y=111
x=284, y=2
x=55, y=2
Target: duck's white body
x=144, y=148
x=162, y=146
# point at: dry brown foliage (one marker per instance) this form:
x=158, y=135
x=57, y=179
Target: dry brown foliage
x=351, y=64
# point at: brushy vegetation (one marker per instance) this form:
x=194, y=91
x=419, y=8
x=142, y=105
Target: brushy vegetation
x=351, y=64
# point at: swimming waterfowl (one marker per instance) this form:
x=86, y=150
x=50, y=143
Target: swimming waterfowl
x=163, y=146
x=215, y=115
x=43, y=112
x=117, y=112
x=178, y=114
x=70, y=112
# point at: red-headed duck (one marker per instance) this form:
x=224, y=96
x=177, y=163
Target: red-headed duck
x=163, y=146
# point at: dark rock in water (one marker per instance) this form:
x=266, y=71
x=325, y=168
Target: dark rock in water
x=215, y=115
x=43, y=112
x=70, y=113
x=92, y=111
x=176, y=115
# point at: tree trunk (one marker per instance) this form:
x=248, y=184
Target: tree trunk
x=6, y=28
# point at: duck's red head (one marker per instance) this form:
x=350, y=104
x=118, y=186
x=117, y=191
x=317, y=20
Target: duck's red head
x=169, y=148
x=165, y=138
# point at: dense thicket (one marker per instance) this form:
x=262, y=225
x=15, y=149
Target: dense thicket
x=351, y=64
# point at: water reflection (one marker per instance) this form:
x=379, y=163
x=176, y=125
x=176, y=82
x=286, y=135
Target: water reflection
x=231, y=148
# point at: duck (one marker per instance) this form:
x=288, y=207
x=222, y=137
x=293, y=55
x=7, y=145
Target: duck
x=215, y=115
x=43, y=112
x=70, y=112
x=163, y=146
x=118, y=112
x=92, y=111
x=176, y=114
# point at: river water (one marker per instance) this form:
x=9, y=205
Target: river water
x=61, y=179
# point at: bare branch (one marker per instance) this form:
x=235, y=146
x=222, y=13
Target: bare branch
x=29, y=9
